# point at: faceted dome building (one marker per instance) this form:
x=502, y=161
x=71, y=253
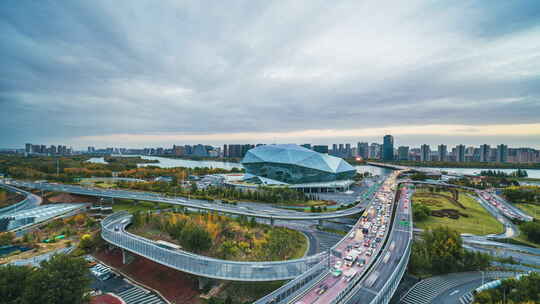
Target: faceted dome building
x=293, y=164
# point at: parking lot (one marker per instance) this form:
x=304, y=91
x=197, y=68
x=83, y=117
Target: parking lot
x=105, y=280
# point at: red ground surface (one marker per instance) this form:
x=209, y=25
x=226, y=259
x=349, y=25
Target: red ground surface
x=105, y=299
x=174, y=285
x=71, y=198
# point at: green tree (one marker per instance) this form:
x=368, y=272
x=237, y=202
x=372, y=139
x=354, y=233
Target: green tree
x=62, y=279
x=421, y=212
x=13, y=282
x=6, y=238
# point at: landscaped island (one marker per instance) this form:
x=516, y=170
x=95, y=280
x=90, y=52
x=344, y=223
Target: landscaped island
x=452, y=208
x=221, y=237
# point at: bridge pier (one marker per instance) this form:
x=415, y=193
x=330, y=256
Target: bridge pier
x=319, y=223
x=271, y=221
x=124, y=258
x=203, y=282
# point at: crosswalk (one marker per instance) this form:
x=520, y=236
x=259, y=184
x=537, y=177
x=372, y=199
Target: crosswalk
x=137, y=295
x=466, y=298
x=426, y=290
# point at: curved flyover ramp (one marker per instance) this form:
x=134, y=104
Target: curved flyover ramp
x=114, y=233
x=191, y=203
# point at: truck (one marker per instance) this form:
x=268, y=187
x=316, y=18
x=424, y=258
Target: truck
x=351, y=258
x=365, y=229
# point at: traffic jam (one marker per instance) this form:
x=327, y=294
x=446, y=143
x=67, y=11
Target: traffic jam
x=495, y=202
x=358, y=249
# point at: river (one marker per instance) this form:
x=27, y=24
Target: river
x=165, y=162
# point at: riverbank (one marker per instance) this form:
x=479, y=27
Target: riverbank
x=468, y=165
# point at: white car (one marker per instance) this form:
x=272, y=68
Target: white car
x=338, y=264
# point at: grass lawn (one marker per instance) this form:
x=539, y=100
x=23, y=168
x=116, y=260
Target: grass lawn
x=531, y=209
x=129, y=206
x=479, y=222
x=301, y=250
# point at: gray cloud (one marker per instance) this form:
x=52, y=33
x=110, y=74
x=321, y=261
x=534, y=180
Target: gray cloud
x=77, y=68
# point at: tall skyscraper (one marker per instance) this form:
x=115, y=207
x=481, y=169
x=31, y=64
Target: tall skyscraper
x=484, y=153
x=348, y=152
x=374, y=151
x=335, y=151
x=388, y=148
x=425, y=153
x=362, y=149
x=502, y=153
x=442, y=152
x=460, y=153
x=403, y=153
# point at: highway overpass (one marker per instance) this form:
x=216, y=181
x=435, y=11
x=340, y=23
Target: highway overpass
x=266, y=212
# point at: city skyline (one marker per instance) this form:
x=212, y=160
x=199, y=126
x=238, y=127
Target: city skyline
x=95, y=74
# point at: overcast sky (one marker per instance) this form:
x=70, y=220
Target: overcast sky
x=150, y=73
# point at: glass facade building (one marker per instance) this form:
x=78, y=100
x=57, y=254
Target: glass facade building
x=294, y=164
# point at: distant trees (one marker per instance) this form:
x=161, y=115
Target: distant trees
x=62, y=279
x=500, y=173
x=526, y=194
x=531, y=231
x=525, y=290
x=441, y=251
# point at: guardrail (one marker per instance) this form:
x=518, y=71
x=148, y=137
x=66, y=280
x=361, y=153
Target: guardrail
x=112, y=231
x=18, y=206
x=386, y=293
x=291, y=290
x=196, y=204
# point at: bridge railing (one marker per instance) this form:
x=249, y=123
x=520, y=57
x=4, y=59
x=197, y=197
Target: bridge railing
x=200, y=265
x=294, y=288
x=387, y=291
x=17, y=206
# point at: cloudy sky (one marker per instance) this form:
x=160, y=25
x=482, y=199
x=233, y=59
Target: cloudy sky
x=150, y=73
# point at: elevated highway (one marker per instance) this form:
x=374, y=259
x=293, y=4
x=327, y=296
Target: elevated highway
x=267, y=212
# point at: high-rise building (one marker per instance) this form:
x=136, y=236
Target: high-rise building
x=460, y=153
x=320, y=148
x=362, y=150
x=442, y=152
x=374, y=151
x=334, y=150
x=341, y=150
x=348, y=152
x=502, y=153
x=388, y=148
x=403, y=153
x=425, y=153
x=28, y=148
x=484, y=153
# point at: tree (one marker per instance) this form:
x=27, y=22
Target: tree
x=13, y=282
x=6, y=238
x=421, y=212
x=62, y=279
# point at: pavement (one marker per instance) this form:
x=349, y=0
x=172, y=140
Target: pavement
x=331, y=286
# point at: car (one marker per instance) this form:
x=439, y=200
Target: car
x=369, y=252
x=361, y=262
x=322, y=289
x=338, y=264
x=357, y=245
